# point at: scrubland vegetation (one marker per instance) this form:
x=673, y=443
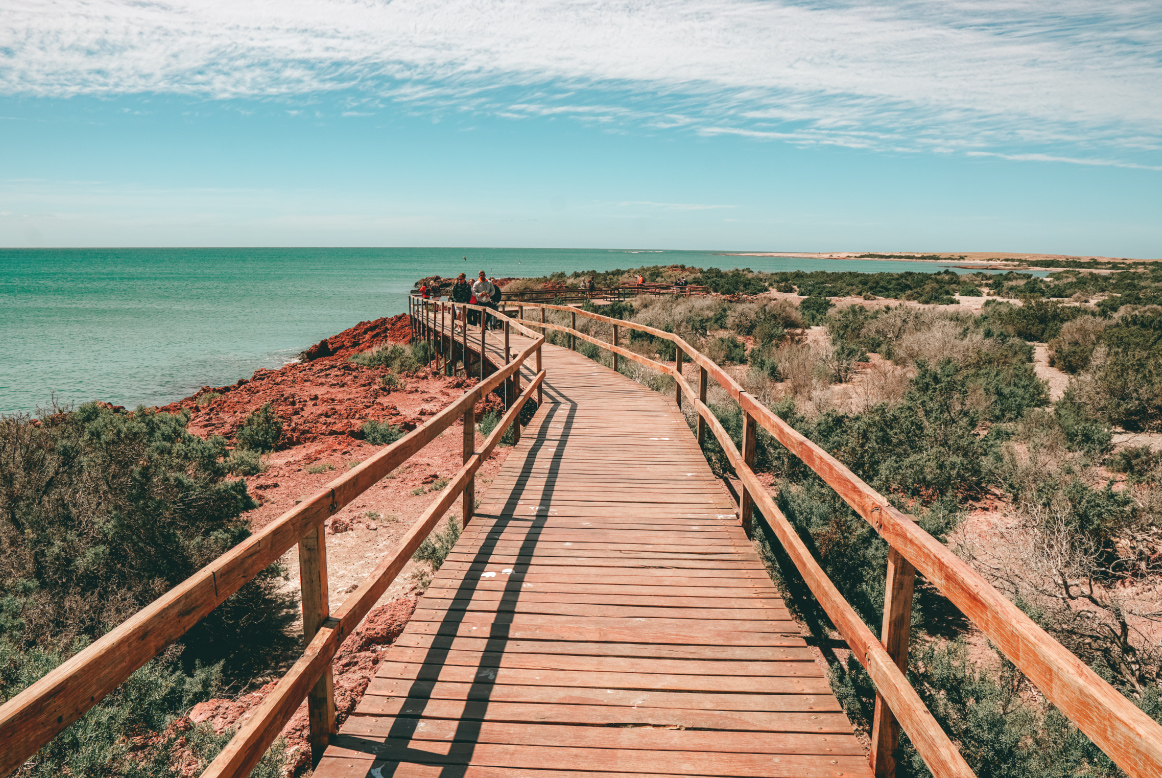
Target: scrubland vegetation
x=100, y=513
x=944, y=413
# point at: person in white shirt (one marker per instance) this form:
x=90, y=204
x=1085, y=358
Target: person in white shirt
x=485, y=292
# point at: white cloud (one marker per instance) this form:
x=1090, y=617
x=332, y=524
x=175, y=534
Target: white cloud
x=957, y=75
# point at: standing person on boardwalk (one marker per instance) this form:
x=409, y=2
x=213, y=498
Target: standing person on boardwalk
x=482, y=289
x=461, y=292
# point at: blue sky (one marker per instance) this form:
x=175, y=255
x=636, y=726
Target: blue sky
x=729, y=124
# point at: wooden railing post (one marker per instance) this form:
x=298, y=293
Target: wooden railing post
x=316, y=609
x=572, y=337
x=483, y=329
x=428, y=314
x=702, y=381
x=452, y=342
x=746, y=500
x=464, y=341
x=615, y=342
x=516, y=394
x=897, y=629
x=678, y=354
x=508, y=394
x=440, y=355
x=540, y=394
x=469, y=494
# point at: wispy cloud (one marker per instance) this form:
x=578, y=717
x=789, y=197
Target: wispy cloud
x=1072, y=80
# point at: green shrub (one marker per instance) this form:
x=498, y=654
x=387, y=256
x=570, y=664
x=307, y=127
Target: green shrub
x=261, y=431
x=1138, y=462
x=381, y=433
x=435, y=548
x=1010, y=391
x=727, y=350
x=1130, y=384
x=1036, y=320
x=1074, y=345
x=968, y=290
x=243, y=462
x=391, y=383
x=488, y=423
x=1082, y=425
x=100, y=513
x=762, y=358
x=207, y=398
x=814, y=308
x=398, y=359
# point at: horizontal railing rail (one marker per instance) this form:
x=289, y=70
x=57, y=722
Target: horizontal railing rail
x=1129, y=737
x=620, y=292
x=32, y=718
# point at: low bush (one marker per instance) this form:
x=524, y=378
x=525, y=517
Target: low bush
x=1073, y=347
x=1009, y=392
x=1035, y=320
x=261, y=431
x=101, y=512
x=1138, y=462
x=435, y=548
x=814, y=309
x=207, y=398
x=244, y=462
x=398, y=359
x=392, y=383
x=381, y=433
x=727, y=350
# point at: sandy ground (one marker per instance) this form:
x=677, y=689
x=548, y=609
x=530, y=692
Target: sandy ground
x=1056, y=379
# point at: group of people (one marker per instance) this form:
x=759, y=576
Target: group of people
x=484, y=292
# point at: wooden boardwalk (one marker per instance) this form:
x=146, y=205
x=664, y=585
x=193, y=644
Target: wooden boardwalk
x=602, y=614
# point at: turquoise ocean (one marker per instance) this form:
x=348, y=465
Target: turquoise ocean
x=150, y=326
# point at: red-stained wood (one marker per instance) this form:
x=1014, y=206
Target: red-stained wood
x=316, y=609
x=897, y=627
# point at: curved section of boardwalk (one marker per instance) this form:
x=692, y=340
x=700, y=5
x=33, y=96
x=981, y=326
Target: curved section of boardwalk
x=602, y=614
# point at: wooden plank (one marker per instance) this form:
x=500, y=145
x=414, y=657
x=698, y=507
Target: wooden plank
x=807, y=681
x=500, y=658
x=573, y=736
x=588, y=632
x=644, y=762
x=811, y=719
x=582, y=695
x=791, y=652
x=520, y=605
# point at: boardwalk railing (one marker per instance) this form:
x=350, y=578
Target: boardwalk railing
x=1127, y=735
x=32, y=718
x=620, y=292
